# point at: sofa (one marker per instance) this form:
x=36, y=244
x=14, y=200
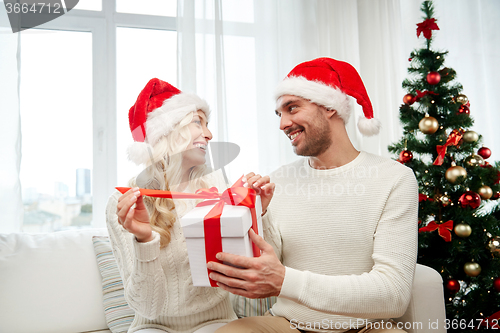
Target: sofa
x=66, y=282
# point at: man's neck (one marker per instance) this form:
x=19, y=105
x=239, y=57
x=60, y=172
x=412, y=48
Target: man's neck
x=335, y=156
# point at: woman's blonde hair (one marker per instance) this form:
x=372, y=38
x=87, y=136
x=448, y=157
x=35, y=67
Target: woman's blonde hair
x=166, y=174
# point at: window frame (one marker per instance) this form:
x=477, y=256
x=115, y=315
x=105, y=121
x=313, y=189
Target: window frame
x=102, y=25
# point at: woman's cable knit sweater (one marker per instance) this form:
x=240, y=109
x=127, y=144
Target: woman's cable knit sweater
x=158, y=283
x=348, y=239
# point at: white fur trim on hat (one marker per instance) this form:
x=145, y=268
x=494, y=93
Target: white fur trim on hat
x=183, y=99
x=162, y=120
x=369, y=127
x=318, y=93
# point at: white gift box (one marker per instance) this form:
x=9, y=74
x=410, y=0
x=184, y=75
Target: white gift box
x=235, y=222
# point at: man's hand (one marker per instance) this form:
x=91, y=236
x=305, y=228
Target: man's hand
x=262, y=185
x=259, y=278
x=134, y=219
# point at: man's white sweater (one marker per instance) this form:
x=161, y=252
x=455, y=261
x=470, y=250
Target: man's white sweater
x=158, y=283
x=348, y=239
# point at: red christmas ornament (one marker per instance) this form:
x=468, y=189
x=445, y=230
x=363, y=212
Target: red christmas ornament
x=484, y=152
x=433, y=78
x=409, y=99
x=496, y=284
x=496, y=196
x=453, y=286
x=464, y=109
x=405, y=156
x=470, y=199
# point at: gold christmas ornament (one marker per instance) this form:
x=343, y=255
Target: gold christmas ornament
x=462, y=230
x=494, y=246
x=444, y=200
x=462, y=99
x=485, y=192
x=454, y=172
x=472, y=269
x=428, y=125
x=470, y=136
x=474, y=161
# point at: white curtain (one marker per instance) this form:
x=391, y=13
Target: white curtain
x=11, y=207
x=233, y=53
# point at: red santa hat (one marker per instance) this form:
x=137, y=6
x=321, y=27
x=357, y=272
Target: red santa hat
x=328, y=82
x=158, y=109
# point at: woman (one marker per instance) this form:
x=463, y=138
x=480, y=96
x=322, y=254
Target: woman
x=171, y=134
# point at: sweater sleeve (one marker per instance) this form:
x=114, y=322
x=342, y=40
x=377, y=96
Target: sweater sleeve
x=139, y=265
x=383, y=292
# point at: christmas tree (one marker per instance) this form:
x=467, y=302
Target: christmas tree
x=459, y=230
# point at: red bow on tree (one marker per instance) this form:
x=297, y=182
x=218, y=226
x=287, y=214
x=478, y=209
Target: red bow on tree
x=426, y=27
x=491, y=321
x=453, y=140
x=423, y=197
x=421, y=94
x=443, y=229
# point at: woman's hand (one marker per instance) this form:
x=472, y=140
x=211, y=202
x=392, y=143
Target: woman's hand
x=262, y=185
x=134, y=219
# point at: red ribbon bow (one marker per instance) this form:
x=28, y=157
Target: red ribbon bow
x=421, y=94
x=236, y=195
x=443, y=229
x=423, y=197
x=453, y=140
x=492, y=321
x=426, y=27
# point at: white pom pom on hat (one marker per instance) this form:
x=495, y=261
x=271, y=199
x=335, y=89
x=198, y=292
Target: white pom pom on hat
x=140, y=152
x=158, y=109
x=328, y=82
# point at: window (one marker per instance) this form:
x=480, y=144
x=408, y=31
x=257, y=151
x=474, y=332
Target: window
x=56, y=113
x=148, y=7
x=89, y=5
x=80, y=74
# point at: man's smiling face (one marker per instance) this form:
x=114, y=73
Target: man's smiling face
x=305, y=124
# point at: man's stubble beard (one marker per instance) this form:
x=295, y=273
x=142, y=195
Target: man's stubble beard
x=317, y=141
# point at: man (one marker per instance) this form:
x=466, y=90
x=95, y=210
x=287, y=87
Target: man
x=343, y=223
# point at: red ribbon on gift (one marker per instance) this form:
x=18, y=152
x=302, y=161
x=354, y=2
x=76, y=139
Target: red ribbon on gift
x=426, y=27
x=236, y=195
x=443, y=229
x=453, y=140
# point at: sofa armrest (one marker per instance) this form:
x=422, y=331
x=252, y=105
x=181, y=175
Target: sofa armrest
x=426, y=311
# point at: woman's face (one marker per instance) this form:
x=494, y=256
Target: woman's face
x=200, y=135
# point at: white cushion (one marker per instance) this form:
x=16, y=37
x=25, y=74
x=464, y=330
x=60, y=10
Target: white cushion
x=50, y=283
